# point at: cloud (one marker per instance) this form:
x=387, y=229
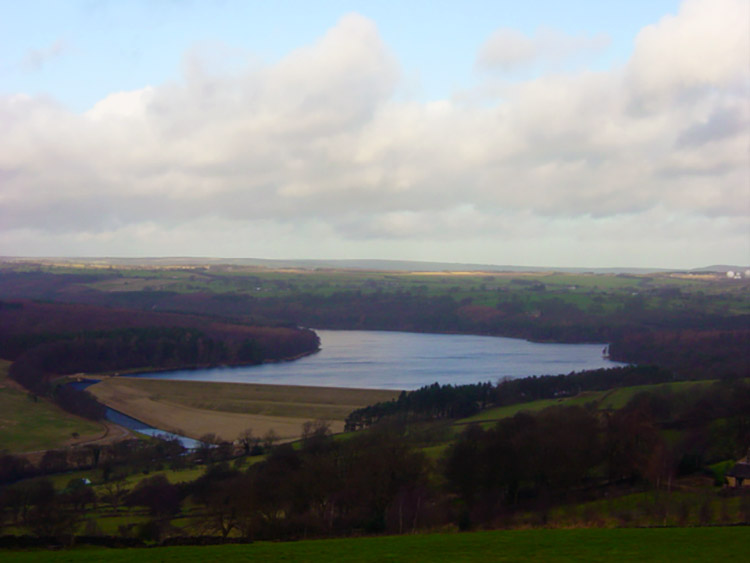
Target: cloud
x=509, y=49
x=316, y=155
x=723, y=123
x=704, y=46
x=35, y=59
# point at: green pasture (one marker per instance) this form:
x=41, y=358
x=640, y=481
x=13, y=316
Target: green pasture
x=602, y=282
x=597, y=293
x=628, y=544
x=688, y=507
x=613, y=399
x=618, y=398
x=174, y=476
x=112, y=524
x=434, y=453
x=498, y=413
x=236, y=275
x=29, y=423
x=326, y=281
x=60, y=480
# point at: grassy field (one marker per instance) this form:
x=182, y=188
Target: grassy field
x=269, y=281
x=618, y=398
x=614, y=399
x=498, y=413
x=689, y=506
x=637, y=545
x=597, y=293
x=185, y=475
x=194, y=408
x=29, y=425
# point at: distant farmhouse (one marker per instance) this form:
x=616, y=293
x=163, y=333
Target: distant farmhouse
x=739, y=475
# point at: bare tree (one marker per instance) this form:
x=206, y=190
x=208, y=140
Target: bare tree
x=247, y=440
x=316, y=429
x=208, y=443
x=269, y=439
x=115, y=492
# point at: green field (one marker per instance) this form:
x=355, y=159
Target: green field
x=498, y=413
x=614, y=399
x=618, y=398
x=61, y=480
x=481, y=287
x=638, y=545
x=29, y=424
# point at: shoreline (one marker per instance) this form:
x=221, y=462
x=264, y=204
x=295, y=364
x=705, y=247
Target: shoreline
x=139, y=372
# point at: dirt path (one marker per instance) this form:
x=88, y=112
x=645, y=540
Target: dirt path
x=111, y=434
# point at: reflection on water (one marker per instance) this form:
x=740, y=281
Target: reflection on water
x=404, y=360
x=129, y=422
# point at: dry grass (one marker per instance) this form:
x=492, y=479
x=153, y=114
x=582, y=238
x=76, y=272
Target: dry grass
x=194, y=408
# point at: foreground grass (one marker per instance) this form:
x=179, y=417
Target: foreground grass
x=638, y=545
x=28, y=424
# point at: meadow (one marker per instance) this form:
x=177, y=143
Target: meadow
x=637, y=545
x=598, y=291
x=611, y=399
x=30, y=423
x=587, y=291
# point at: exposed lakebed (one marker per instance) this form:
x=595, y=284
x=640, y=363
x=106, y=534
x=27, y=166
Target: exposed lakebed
x=404, y=360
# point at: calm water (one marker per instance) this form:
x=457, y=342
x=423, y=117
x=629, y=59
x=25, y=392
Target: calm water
x=404, y=360
x=129, y=422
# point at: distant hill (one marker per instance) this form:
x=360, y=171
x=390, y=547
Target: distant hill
x=722, y=268
x=364, y=264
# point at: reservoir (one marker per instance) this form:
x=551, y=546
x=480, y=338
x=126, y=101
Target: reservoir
x=404, y=360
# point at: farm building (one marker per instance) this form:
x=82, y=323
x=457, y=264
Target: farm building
x=739, y=475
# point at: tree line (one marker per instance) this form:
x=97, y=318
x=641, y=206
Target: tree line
x=654, y=325
x=46, y=340
x=437, y=401
x=635, y=331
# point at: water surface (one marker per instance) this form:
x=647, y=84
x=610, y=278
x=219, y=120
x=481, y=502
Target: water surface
x=405, y=360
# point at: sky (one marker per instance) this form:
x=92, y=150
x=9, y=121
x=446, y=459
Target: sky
x=543, y=133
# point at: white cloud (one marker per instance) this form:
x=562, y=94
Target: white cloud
x=705, y=46
x=127, y=105
x=316, y=156
x=508, y=49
